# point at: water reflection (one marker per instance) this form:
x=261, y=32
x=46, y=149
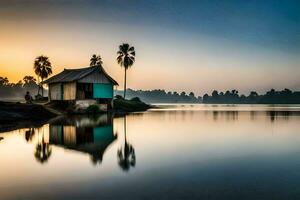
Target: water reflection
x=91, y=135
x=229, y=115
x=197, y=154
x=29, y=134
x=126, y=154
x=43, y=150
x=94, y=134
x=273, y=115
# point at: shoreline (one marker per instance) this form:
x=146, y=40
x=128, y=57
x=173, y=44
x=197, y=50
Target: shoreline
x=16, y=115
x=19, y=115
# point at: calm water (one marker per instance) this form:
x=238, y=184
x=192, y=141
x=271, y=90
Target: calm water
x=179, y=152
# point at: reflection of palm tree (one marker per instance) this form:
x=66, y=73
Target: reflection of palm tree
x=126, y=156
x=29, y=134
x=42, y=151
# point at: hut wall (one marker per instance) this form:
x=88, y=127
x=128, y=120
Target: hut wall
x=55, y=91
x=69, y=91
x=103, y=90
x=95, y=77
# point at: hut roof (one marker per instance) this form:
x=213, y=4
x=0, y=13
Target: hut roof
x=70, y=75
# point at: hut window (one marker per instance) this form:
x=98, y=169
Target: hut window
x=84, y=90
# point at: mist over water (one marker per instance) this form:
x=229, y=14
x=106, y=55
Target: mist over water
x=179, y=152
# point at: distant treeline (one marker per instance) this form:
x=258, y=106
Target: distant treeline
x=18, y=90
x=161, y=96
x=285, y=96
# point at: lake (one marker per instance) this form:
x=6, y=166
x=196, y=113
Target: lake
x=175, y=152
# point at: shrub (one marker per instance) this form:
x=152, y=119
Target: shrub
x=133, y=105
x=136, y=99
x=119, y=97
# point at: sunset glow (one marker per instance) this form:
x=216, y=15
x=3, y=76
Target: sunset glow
x=252, y=53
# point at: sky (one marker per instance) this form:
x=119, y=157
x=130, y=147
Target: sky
x=195, y=45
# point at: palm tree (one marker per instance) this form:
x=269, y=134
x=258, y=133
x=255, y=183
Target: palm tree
x=96, y=60
x=42, y=68
x=126, y=58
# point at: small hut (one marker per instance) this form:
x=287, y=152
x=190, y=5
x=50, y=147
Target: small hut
x=84, y=86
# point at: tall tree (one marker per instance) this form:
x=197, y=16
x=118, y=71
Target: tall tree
x=96, y=60
x=125, y=58
x=42, y=68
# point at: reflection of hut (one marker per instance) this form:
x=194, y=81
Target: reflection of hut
x=90, y=138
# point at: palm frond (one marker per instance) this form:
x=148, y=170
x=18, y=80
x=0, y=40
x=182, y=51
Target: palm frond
x=131, y=49
x=42, y=66
x=126, y=55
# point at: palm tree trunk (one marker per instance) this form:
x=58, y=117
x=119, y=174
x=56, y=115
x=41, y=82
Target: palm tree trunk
x=125, y=83
x=39, y=85
x=42, y=88
x=125, y=123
